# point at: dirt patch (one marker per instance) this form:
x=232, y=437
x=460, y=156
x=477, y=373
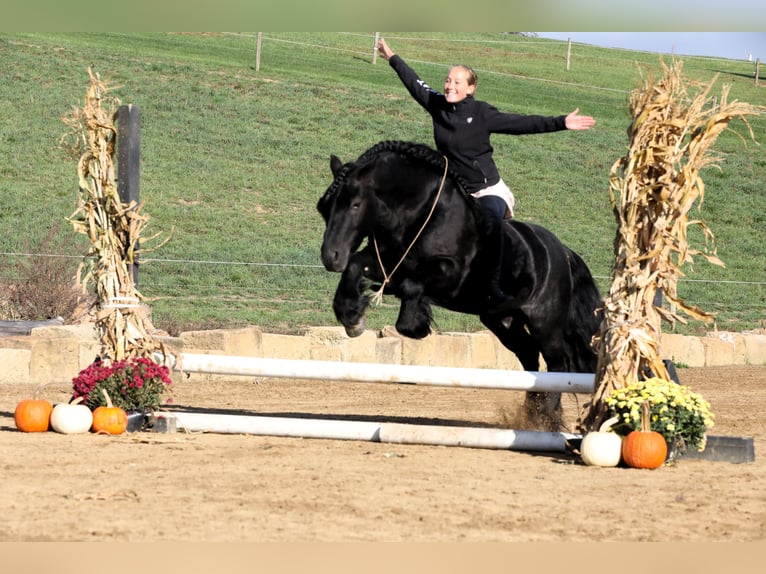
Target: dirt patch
x=209, y=487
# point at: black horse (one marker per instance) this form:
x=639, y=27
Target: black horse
x=424, y=245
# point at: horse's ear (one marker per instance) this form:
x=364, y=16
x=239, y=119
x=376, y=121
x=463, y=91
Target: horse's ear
x=335, y=165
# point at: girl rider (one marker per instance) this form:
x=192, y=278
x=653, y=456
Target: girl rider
x=462, y=127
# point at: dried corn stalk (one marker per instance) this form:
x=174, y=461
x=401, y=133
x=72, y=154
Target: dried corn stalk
x=652, y=190
x=113, y=228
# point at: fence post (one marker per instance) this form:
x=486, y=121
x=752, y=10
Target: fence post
x=375, y=48
x=128, y=163
x=258, y=51
x=658, y=300
x=757, y=69
x=569, y=51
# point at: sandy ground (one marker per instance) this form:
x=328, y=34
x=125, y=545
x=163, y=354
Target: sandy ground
x=213, y=487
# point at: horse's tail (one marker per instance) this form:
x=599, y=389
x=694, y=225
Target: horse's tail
x=585, y=314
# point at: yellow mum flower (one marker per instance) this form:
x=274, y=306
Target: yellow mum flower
x=675, y=410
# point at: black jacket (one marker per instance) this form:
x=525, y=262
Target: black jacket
x=462, y=131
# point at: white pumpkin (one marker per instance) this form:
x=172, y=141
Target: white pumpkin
x=71, y=418
x=602, y=447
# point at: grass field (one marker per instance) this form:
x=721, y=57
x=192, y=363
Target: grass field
x=234, y=158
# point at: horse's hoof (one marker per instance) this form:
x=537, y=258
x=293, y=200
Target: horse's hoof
x=356, y=330
x=543, y=411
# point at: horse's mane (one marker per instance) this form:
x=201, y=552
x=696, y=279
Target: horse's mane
x=416, y=151
x=420, y=152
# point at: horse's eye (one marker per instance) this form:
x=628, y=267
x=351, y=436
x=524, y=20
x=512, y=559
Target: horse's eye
x=356, y=204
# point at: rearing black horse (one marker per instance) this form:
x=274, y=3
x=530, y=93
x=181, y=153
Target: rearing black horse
x=425, y=246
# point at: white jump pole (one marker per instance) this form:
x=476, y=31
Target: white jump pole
x=473, y=437
x=538, y=381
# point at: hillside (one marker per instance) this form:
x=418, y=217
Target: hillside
x=235, y=152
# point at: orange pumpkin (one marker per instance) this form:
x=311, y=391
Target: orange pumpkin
x=109, y=419
x=33, y=415
x=644, y=448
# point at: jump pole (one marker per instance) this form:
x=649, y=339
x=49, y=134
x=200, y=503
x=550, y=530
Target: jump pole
x=536, y=381
x=472, y=437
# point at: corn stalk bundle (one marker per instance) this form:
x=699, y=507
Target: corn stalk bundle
x=652, y=190
x=113, y=228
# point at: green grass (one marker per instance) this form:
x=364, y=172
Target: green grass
x=234, y=160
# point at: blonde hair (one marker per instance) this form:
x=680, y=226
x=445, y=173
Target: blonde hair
x=472, y=77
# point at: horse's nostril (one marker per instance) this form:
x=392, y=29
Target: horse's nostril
x=333, y=260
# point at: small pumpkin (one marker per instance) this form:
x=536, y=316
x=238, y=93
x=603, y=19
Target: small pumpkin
x=602, y=447
x=71, y=418
x=33, y=415
x=644, y=448
x=109, y=419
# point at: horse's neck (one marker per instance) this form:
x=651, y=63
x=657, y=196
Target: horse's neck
x=412, y=199
x=449, y=217
x=401, y=213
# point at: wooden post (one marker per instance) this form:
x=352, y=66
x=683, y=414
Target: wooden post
x=569, y=51
x=375, y=48
x=258, y=51
x=128, y=162
x=757, y=68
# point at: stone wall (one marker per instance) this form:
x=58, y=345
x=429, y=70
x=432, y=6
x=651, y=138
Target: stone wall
x=57, y=353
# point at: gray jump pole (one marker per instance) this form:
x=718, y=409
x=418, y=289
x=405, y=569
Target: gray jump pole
x=536, y=381
x=398, y=433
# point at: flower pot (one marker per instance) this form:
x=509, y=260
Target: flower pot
x=676, y=448
x=136, y=421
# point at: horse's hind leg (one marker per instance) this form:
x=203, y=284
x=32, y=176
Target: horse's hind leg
x=541, y=410
x=511, y=332
x=558, y=359
x=350, y=303
x=544, y=410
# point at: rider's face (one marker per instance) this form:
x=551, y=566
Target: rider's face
x=456, y=85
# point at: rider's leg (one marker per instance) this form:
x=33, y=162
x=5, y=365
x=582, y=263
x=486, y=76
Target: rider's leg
x=494, y=209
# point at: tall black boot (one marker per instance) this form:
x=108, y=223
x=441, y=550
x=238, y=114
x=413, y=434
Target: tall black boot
x=498, y=301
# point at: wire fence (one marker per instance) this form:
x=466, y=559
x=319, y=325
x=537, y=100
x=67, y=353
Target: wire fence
x=287, y=295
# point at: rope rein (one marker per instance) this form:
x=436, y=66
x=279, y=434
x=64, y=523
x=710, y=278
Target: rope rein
x=377, y=297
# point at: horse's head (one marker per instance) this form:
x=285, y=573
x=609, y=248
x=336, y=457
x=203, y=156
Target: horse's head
x=347, y=208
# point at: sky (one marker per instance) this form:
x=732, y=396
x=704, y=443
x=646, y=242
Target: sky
x=734, y=45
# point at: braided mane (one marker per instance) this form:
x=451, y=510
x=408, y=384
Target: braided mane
x=419, y=152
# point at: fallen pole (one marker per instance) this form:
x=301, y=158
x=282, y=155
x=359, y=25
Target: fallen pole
x=471, y=437
x=536, y=381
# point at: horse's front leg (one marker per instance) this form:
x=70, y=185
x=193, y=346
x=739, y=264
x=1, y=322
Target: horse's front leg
x=350, y=302
x=415, y=317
